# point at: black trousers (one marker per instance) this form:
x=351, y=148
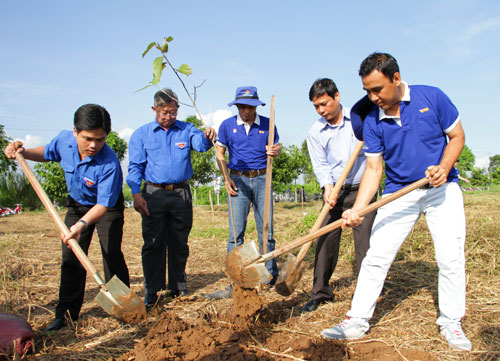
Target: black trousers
x=166, y=228
x=110, y=231
x=327, y=248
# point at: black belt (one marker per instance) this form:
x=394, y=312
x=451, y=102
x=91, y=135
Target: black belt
x=349, y=187
x=426, y=186
x=252, y=173
x=168, y=187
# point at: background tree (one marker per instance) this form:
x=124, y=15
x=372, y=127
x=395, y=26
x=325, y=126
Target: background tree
x=307, y=168
x=479, y=178
x=203, y=162
x=51, y=174
x=117, y=144
x=287, y=167
x=6, y=165
x=466, y=161
x=494, y=169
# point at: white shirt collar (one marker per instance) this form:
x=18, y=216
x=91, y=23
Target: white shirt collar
x=247, y=126
x=240, y=121
x=405, y=98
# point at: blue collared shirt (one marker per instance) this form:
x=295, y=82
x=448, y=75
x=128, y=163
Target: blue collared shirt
x=94, y=180
x=163, y=156
x=330, y=147
x=414, y=140
x=246, y=145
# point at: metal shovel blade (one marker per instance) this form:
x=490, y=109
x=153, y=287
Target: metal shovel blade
x=239, y=258
x=254, y=275
x=120, y=302
x=289, y=276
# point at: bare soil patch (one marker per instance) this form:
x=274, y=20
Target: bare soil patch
x=270, y=326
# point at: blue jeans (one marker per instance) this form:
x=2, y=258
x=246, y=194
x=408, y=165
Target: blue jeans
x=251, y=190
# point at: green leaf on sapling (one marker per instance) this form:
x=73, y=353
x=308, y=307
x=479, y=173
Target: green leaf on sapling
x=157, y=69
x=148, y=48
x=185, y=69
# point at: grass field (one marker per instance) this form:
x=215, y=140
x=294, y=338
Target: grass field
x=403, y=327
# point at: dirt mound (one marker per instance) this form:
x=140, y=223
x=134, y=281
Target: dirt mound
x=171, y=338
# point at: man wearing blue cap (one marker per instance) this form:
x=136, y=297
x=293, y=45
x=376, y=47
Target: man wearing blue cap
x=245, y=136
x=416, y=131
x=160, y=154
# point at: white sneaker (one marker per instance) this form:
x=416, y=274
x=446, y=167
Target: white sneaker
x=456, y=337
x=347, y=330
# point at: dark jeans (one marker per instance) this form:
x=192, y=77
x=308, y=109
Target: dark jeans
x=110, y=231
x=166, y=228
x=327, y=248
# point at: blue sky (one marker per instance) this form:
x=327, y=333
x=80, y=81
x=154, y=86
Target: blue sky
x=58, y=55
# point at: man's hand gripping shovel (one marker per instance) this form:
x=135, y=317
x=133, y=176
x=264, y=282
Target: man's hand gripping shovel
x=292, y=270
x=246, y=267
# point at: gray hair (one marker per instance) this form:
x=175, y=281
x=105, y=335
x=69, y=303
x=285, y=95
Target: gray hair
x=165, y=96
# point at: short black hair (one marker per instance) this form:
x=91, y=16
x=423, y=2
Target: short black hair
x=92, y=116
x=383, y=62
x=321, y=87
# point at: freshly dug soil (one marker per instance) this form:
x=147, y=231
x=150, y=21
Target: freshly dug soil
x=247, y=302
x=132, y=309
x=171, y=338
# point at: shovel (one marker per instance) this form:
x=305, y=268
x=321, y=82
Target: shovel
x=269, y=179
x=246, y=267
x=293, y=268
x=114, y=297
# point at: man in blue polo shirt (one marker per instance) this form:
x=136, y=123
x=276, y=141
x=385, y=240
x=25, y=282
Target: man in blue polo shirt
x=160, y=154
x=416, y=130
x=94, y=180
x=245, y=136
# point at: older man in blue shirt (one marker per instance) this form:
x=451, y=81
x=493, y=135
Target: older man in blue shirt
x=160, y=154
x=330, y=142
x=94, y=180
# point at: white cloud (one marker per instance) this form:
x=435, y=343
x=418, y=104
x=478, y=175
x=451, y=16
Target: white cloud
x=483, y=162
x=214, y=119
x=125, y=134
x=478, y=28
x=31, y=141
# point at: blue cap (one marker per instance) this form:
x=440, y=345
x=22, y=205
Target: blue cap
x=246, y=95
x=359, y=111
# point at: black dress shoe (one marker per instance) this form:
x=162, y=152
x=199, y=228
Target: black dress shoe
x=313, y=305
x=57, y=324
x=177, y=293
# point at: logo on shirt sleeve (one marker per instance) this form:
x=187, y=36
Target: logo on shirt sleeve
x=89, y=182
x=181, y=144
x=424, y=110
x=261, y=132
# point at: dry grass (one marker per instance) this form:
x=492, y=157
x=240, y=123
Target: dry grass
x=404, y=318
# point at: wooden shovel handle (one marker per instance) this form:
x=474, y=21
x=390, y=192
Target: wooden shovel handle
x=75, y=247
x=326, y=208
x=330, y=227
x=269, y=179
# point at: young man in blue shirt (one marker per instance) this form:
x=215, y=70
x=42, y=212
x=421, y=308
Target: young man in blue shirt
x=330, y=142
x=245, y=136
x=160, y=154
x=94, y=180
x=416, y=130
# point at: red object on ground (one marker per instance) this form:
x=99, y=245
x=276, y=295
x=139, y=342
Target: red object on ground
x=14, y=328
